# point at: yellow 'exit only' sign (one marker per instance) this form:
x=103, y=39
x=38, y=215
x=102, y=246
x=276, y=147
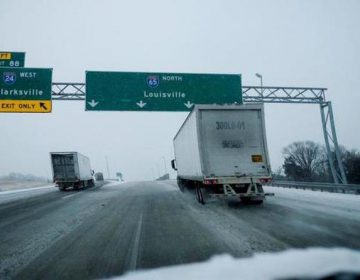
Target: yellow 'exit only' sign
x=25, y=106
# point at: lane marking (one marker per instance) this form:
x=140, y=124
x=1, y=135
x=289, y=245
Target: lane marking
x=70, y=195
x=135, y=248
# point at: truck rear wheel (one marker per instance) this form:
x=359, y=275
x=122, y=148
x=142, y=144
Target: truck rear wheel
x=200, y=196
x=181, y=184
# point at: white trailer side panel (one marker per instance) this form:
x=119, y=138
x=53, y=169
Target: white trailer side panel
x=233, y=141
x=186, y=149
x=84, y=168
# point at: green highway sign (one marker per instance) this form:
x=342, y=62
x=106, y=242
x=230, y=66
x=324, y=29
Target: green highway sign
x=129, y=91
x=25, y=90
x=12, y=59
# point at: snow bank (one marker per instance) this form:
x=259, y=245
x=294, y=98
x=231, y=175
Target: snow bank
x=327, y=200
x=43, y=187
x=310, y=194
x=313, y=262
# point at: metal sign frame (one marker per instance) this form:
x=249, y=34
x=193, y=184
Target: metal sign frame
x=256, y=94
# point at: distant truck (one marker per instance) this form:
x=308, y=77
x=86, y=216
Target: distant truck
x=71, y=170
x=221, y=151
x=99, y=176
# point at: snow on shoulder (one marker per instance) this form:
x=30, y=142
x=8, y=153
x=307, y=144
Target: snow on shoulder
x=313, y=262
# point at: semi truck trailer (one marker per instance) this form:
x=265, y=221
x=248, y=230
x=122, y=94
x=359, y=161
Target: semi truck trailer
x=71, y=170
x=221, y=151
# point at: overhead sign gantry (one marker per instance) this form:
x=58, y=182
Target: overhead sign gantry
x=255, y=94
x=30, y=90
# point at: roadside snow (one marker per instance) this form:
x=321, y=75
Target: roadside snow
x=6, y=185
x=309, y=194
x=28, y=189
x=330, y=201
x=7, y=196
x=314, y=262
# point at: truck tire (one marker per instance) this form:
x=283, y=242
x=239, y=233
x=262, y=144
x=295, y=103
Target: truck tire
x=78, y=185
x=181, y=184
x=200, y=196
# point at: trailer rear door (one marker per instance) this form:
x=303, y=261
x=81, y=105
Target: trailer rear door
x=63, y=166
x=232, y=142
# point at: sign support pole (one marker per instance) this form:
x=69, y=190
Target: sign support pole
x=336, y=165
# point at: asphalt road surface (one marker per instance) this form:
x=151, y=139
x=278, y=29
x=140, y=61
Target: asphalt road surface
x=115, y=228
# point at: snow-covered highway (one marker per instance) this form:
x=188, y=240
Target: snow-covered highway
x=115, y=228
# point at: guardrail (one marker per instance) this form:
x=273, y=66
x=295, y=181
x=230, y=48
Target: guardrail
x=315, y=186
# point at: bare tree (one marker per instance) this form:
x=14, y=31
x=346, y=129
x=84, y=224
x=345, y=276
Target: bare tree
x=305, y=160
x=351, y=161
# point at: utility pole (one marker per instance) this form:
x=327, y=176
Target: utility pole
x=107, y=167
x=164, y=164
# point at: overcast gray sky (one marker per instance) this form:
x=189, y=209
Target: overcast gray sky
x=291, y=43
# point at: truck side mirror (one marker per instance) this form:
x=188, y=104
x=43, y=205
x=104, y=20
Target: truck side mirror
x=173, y=166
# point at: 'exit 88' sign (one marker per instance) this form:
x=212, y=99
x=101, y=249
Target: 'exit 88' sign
x=12, y=59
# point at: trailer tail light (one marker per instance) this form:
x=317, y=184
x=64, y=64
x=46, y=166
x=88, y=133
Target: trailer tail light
x=210, y=181
x=265, y=180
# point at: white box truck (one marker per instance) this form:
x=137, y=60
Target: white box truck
x=71, y=170
x=221, y=151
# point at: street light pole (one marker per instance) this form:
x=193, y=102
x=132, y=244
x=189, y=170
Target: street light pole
x=107, y=166
x=261, y=83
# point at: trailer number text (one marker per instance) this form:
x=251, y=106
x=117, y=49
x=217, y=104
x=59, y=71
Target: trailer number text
x=232, y=144
x=230, y=125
